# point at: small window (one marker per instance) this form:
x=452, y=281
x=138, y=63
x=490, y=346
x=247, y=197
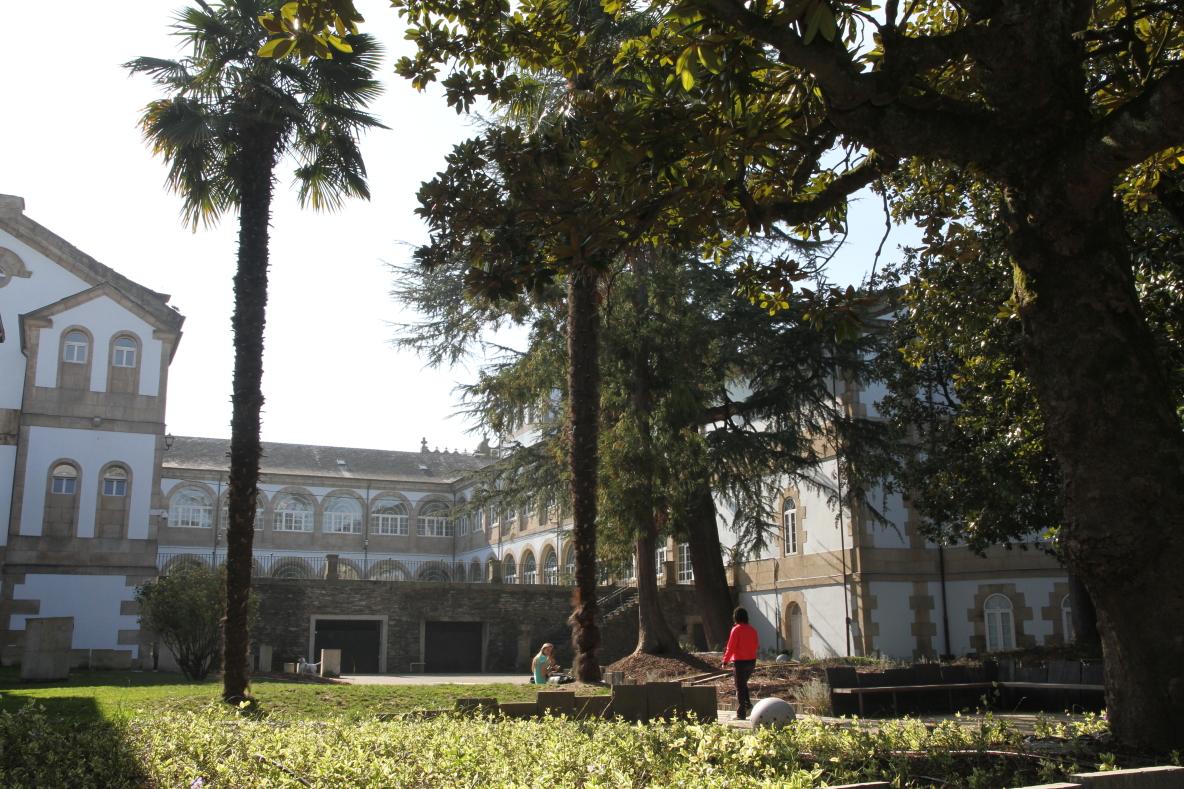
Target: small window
x=997, y=613
x=789, y=525
x=65, y=480
x=115, y=482
x=123, y=353
x=75, y=348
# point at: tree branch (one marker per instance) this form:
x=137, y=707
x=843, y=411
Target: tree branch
x=1135, y=131
x=795, y=212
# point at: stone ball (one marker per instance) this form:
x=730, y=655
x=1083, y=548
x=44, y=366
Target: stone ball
x=782, y=658
x=772, y=712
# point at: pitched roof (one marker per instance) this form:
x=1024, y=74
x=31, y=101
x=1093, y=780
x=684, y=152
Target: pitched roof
x=212, y=454
x=82, y=265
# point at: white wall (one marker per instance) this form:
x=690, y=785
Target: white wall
x=895, y=618
x=103, y=318
x=888, y=535
x=1034, y=591
x=91, y=449
x=93, y=601
x=49, y=283
x=826, y=636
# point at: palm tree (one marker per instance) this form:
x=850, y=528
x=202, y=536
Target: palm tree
x=229, y=119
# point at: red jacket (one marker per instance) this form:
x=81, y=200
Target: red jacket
x=742, y=644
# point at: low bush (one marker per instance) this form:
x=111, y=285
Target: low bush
x=215, y=747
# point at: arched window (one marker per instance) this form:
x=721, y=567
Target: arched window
x=260, y=512
x=124, y=352
x=388, y=570
x=115, y=481
x=389, y=517
x=433, y=521
x=793, y=615
x=789, y=526
x=61, y=501
x=293, y=513
x=1067, y=620
x=433, y=571
x=509, y=570
x=529, y=570
x=347, y=571
x=190, y=509
x=343, y=515
x=292, y=568
x=550, y=569
x=458, y=574
x=475, y=576
x=64, y=480
x=569, y=565
x=997, y=613
x=75, y=348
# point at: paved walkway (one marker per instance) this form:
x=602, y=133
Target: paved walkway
x=521, y=678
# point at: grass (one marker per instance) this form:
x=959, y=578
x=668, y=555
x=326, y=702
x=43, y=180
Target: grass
x=109, y=695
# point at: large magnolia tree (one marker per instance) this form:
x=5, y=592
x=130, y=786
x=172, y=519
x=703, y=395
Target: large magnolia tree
x=1067, y=107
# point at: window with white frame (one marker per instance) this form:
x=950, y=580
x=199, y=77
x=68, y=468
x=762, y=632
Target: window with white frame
x=530, y=573
x=551, y=569
x=509, y=570
x=260, y=512
x=123, y=352
x=1000, y=625
x=478, y=521
x=293, y=513
x=115, y=481
x=389, y=517
x=342, y=515
x=64, y=480
x=569, y=565
x=433, y=521
x=660, y=561
x=75, y=348
x=462, y=524
x=1067, y=620
x=686, y=570
x=789, y=526
x=191, y=509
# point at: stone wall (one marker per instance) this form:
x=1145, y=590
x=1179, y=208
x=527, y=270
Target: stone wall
x=517, y=618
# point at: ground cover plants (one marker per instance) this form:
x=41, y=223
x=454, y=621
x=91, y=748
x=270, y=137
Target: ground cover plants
x=215, y=746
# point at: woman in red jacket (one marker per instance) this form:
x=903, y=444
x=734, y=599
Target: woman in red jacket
x=743, y=644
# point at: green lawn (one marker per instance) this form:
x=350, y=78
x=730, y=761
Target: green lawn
x=93, y=695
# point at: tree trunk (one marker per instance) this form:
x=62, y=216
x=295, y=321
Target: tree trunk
x=654, y=636
x=583, y=425
x=1111, y=422
x=712, y=592
x=250, y=302
x=1085, y=618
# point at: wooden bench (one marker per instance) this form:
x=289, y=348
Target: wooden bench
x=950, y=687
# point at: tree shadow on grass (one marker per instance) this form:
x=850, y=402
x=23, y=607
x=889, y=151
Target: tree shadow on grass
x=64, y=741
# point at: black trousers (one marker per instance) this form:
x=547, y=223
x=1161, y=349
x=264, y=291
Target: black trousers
x=743, y=670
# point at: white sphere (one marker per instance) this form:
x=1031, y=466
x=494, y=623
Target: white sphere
x=782, y=658
x=772, y=712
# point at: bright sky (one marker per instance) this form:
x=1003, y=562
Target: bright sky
x=69, y=145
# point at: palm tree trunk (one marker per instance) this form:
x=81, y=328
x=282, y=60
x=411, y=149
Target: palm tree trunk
x=583, y=425
x=250, y=302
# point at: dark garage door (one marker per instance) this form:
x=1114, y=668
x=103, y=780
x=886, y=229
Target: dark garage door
x=452, y=647
x=358, y=640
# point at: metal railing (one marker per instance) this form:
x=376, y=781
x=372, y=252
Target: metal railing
x=348, y=567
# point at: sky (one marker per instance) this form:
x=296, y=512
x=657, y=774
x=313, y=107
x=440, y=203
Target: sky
x=70, y=146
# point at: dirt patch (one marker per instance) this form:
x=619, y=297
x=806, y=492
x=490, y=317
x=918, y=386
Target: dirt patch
x=662, y=668
x=769, y=679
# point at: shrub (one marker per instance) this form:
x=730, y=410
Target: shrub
x=37, y=752
x=185, y=610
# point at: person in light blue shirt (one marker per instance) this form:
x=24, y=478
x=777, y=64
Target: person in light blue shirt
x=543, y=664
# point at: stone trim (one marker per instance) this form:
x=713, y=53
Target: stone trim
x=923, y=628
x=12, y=265
x=1021, y=614
x=1052, y=613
